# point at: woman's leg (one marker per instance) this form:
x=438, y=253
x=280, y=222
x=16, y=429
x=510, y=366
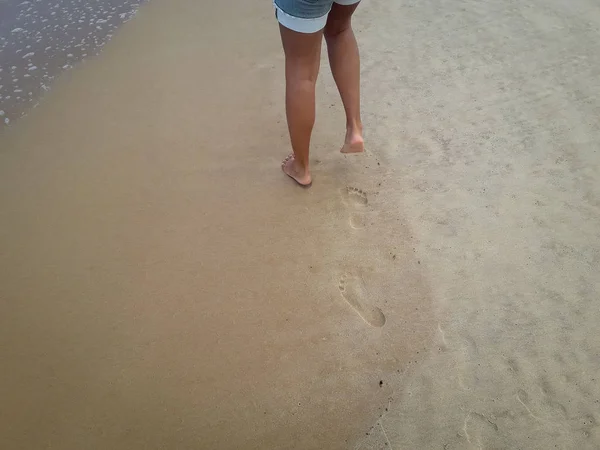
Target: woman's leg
x=344, y=60
x=302, y=59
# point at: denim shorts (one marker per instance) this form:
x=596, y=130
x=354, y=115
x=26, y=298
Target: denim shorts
x=306, y=16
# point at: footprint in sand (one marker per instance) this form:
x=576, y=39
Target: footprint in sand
x=354, y=293
x=358, y=221
x=355, y=196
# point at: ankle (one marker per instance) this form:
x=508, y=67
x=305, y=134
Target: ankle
x=354, y=129
x=355, y=125
x=300, y=166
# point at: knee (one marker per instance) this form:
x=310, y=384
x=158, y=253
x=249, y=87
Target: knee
x=301, y=74
x=301, y=84
x=334, y=29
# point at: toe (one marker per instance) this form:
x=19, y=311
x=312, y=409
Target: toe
x=287, y=160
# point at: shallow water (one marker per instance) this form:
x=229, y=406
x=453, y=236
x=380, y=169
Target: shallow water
x=39, y=39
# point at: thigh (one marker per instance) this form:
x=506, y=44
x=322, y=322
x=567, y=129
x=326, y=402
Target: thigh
x=302, y=53
x=343, y=9
x=340, y=16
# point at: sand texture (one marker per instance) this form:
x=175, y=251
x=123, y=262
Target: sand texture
x=164, y=286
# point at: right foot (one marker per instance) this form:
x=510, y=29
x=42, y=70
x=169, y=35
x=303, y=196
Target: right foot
x=354, y=143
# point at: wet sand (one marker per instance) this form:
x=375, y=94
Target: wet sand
x=40, y=39
x=164, y=285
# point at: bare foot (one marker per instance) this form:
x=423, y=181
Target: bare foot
x=293, y=170
x=354, y=142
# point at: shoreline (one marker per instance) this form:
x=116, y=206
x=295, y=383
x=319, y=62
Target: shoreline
x=39, y=41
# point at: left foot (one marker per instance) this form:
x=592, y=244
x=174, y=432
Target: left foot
x=293, y=170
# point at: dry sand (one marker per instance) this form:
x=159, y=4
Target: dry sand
x=163, y=285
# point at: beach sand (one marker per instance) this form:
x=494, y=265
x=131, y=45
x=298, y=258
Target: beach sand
x=41, y=39
x=164, y=285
